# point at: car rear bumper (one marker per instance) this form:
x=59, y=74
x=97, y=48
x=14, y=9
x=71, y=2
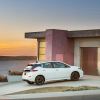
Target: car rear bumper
x=28, y=77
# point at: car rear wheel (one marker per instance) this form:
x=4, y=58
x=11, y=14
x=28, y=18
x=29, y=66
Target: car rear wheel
x=75, y=76
x=29, y=82
x=39, y=80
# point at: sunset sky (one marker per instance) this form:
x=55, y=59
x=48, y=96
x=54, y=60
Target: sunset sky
x=20, y=16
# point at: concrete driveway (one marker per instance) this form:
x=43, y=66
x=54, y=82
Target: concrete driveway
x=20, y=86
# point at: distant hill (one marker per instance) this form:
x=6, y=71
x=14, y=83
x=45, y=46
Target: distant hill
x=18, y=57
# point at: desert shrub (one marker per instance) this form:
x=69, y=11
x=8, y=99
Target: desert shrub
x=13, y=72
x=3, y=78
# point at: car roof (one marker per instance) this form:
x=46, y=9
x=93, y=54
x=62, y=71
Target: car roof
x=40, y=62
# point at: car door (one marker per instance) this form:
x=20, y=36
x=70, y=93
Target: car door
x=62, y=70
x=48, y=71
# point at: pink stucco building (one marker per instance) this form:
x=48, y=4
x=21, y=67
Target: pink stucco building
x=81, y=47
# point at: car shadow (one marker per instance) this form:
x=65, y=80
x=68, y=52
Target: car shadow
x=59, y=81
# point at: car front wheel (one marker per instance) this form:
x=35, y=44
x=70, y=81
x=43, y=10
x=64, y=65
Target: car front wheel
x=39, y=80
x=75, y=76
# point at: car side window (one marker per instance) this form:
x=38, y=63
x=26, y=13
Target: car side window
x=58, y=65
x=47, y=65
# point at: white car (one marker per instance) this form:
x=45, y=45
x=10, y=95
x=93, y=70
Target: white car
x=42, y=72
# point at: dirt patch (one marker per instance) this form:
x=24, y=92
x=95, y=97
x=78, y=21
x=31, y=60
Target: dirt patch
x=56, y=89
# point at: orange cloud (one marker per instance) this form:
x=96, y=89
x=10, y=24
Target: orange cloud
x=18, y=47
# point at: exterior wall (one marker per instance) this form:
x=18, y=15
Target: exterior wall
x=85, y=42
x=59, y=47
x=49, y=43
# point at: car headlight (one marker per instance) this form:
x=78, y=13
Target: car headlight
x=80, y=68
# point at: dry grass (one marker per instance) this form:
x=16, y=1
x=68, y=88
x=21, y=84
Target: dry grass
x=57, y=89
x=3, y=78
x=13, y=72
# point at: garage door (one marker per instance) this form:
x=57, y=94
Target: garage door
x=42, y=47
x=89, y=60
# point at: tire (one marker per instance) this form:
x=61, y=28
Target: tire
x=29, y=82
x=75, y=76
x=39, y=80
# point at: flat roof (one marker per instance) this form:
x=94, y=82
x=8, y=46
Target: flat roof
x=70, y=34
x=35, y=35
x=84, y=33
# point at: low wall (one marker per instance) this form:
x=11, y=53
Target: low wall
x=14, y=78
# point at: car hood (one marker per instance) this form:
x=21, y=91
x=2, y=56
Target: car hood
x=75, y=67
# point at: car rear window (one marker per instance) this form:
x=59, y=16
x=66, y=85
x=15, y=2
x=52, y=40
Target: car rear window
x=34, y=65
